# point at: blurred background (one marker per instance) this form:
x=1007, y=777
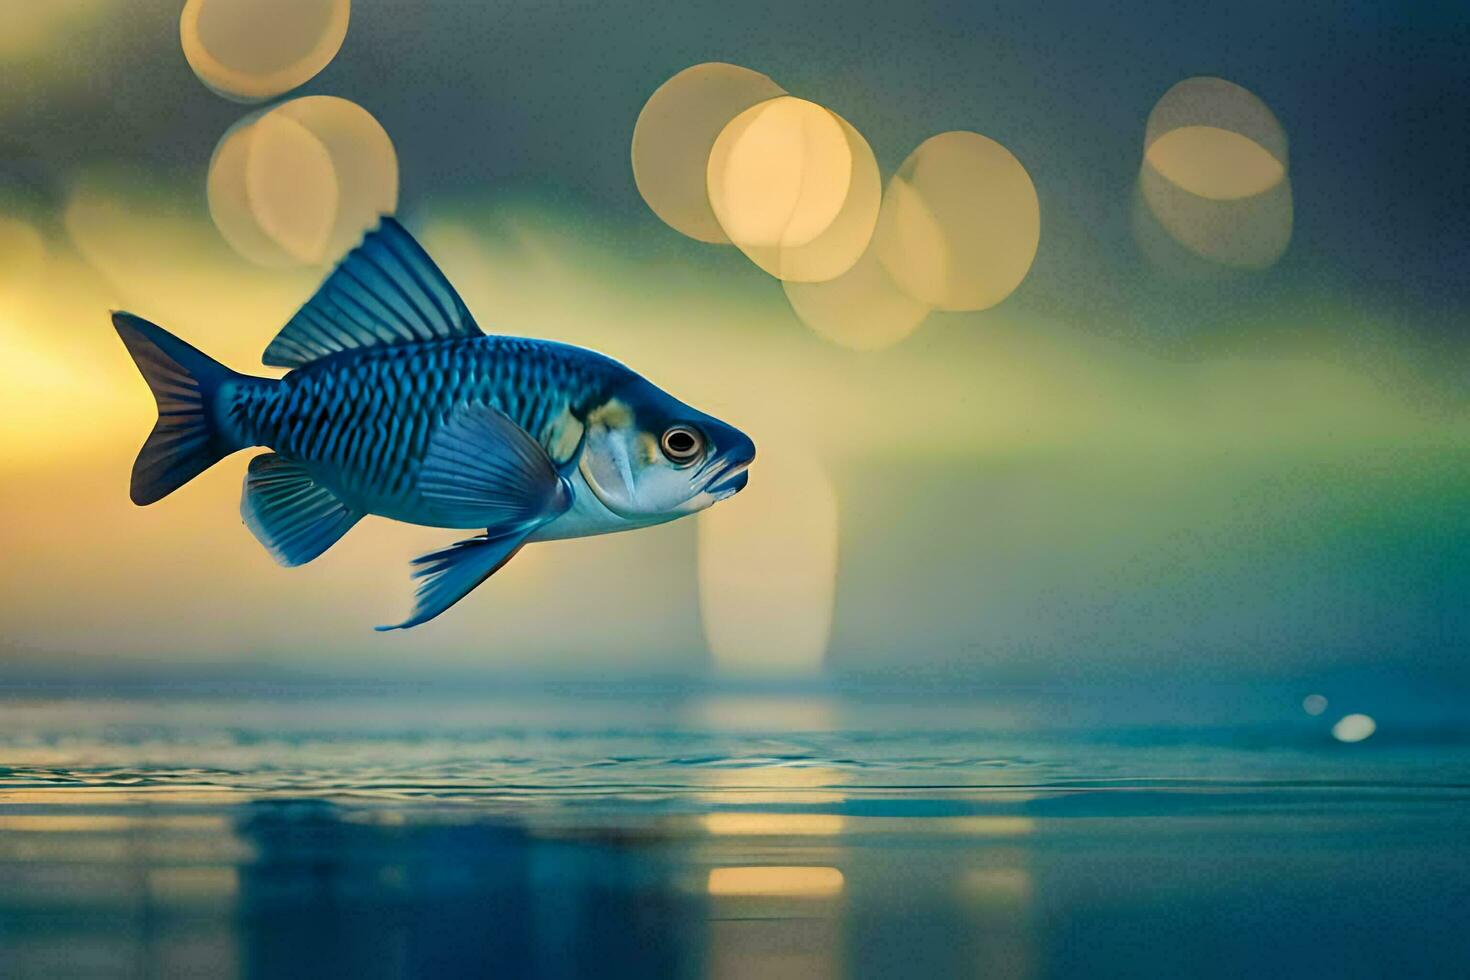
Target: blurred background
x=1210, y=424
x=1098, y=604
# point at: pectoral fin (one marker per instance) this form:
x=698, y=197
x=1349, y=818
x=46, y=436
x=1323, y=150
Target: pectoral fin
x=451, y=574
x=481, y=469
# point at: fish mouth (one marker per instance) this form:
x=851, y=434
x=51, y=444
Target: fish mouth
x=729, y=480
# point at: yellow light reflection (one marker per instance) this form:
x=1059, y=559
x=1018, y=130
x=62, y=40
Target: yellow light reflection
x=1215, y=163
x=989, y=826
x=303, y=181
x=862, y=309
x=253, y=50
x=772, y=785
x=1001, y=899
x=364, y=159
x=999, y=827
x=52, y=796
x=840, y=243
x=66, y=823
x=193, y=885
x=998, y=886
x=779, y=173
x=229, y=200
x=961, y=223
x=753, y=713
x=776, y=881
x=674, y=134
x=45, y=849
x=772, y=824
x=296, y=213
x=768, y=567
x=1206, y=101
x=910, y=238
x=1214, y=177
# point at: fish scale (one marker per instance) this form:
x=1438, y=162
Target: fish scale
x=361, y=420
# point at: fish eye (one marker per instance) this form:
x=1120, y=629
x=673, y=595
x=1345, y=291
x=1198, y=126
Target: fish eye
x=682, y=444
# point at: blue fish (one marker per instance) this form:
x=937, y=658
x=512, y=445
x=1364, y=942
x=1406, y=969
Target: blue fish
x=398, y=404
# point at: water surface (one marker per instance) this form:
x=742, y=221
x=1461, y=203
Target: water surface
x=576, y=832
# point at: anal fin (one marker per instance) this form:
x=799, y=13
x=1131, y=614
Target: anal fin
x=452, y=573
x=481, y=467
x=295, y=517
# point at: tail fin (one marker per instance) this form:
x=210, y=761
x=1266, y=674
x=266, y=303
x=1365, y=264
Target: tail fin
x=186, y=441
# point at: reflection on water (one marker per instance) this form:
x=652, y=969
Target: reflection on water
x=339, y=894
x=395, y=836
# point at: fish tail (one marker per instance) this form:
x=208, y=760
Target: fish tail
x=186, y=383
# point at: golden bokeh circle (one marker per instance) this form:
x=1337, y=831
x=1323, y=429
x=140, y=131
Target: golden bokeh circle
x=1214, y=177
x=364, y=159
x=1214, y=163
x=862, y=309
x=796, y=188
x=229, y=202
x=960, y=224
x=301, y=182
x=291, y=186
x=253, y=50
x=675, y=132
x=1207, y=101
x=779, y=173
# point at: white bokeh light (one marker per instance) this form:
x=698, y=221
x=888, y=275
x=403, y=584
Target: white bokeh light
x=1354, y=728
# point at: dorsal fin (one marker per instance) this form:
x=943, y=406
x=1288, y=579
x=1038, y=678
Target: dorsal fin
x=386, y=291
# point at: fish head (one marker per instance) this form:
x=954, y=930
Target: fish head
x=649, y=457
